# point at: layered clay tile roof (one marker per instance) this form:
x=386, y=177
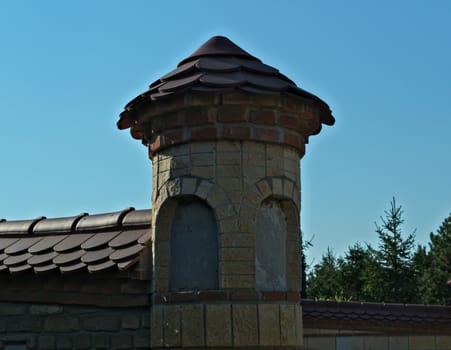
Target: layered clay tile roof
x=80, y=243
x=333, y=312
x=220, y=66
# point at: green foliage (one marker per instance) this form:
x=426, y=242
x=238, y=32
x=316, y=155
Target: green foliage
x=394, y=258
x=393, y=272
x=439, y=271
x=324, y=281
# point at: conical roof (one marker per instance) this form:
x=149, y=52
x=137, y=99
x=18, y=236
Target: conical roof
x=220, y=66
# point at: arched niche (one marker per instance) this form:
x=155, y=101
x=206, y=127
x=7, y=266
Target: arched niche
x=276, y=258
x=193, y=246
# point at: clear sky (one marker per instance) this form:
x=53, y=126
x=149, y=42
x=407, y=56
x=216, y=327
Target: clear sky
x=67, y=68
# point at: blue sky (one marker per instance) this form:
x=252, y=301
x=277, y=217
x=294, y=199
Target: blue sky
x=67, y=68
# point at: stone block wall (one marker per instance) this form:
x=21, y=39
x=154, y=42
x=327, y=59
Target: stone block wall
x=226, y=324
x=57, y=326
x=234, y=178
x=326, y=339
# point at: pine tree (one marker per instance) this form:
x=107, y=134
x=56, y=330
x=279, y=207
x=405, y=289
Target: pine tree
x=324, y=281
x=440, y=263
x=395, y=258
x=357, y=273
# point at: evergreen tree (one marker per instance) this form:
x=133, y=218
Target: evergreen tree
x=423, y=264
x=324, y=281
x=440, y=263
x=395, y=258
x=357, y=273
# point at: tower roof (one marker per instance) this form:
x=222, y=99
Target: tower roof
x=220, y=66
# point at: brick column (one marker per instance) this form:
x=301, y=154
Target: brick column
x=233, y=151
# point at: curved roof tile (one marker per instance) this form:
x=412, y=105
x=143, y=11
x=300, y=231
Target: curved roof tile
x=219, y=65
x=86, y=242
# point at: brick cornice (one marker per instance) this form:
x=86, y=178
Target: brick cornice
x=206, y=117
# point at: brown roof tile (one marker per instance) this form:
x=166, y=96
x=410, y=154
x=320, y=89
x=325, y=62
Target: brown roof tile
x=220, y=66
x=111, y=240
x=332, y=311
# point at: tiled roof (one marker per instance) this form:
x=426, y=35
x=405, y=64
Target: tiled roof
x=317, y=314
x=80, y=243
x=220, y=66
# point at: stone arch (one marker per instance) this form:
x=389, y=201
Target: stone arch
x=272, y=205
x=190, y=197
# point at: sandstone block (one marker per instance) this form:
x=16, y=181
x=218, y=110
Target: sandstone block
x=172, y=326
x=228, y=146
x=269, y=323
x=189, y=185
x=45, y=309
x=193, y=326
x=287, y=325
x=141, y=340
x=398, y=343
x=264, y=188
x=299, y=324
x=10, y=309
x=376, y=343
x=156, y=326
x=61, y=324
x=219, y=325
x=101, y=341
x=100, y=323
x=238, y=254
x=245, y=331
x=204, y=189
x=287, y=188
x=421, y=342
x=228, y=158
x=238, y=268
x=63, y=342
x=228, y=225
x=238, y=281
x=130, y=322
x=443, y=342
x=237, y=240
x=202, y=159
x=46, y=342
x=121, y=341
x=205, y=172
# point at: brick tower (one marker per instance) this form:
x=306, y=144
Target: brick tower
x=225, y=134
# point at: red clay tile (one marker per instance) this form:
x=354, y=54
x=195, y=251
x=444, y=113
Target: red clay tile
x=102, y=266
x=95, y=256
x=125, y=265
x=57, y=225
x=144, y=238
x=20, y=268
x=45, y=268
x=6, y=242
x=221, y=66
x=179, y=83
x=127, y=237
x=72, y=242
x=45, y=244
x=72, y=268
x=22, y=245
x=68, y=258
x=40, y=259
x=138, y=217
x=98, y=240
x=126, y=253
x=14, y=260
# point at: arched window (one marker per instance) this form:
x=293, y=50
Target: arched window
x=271, y=247
x=194, y=247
